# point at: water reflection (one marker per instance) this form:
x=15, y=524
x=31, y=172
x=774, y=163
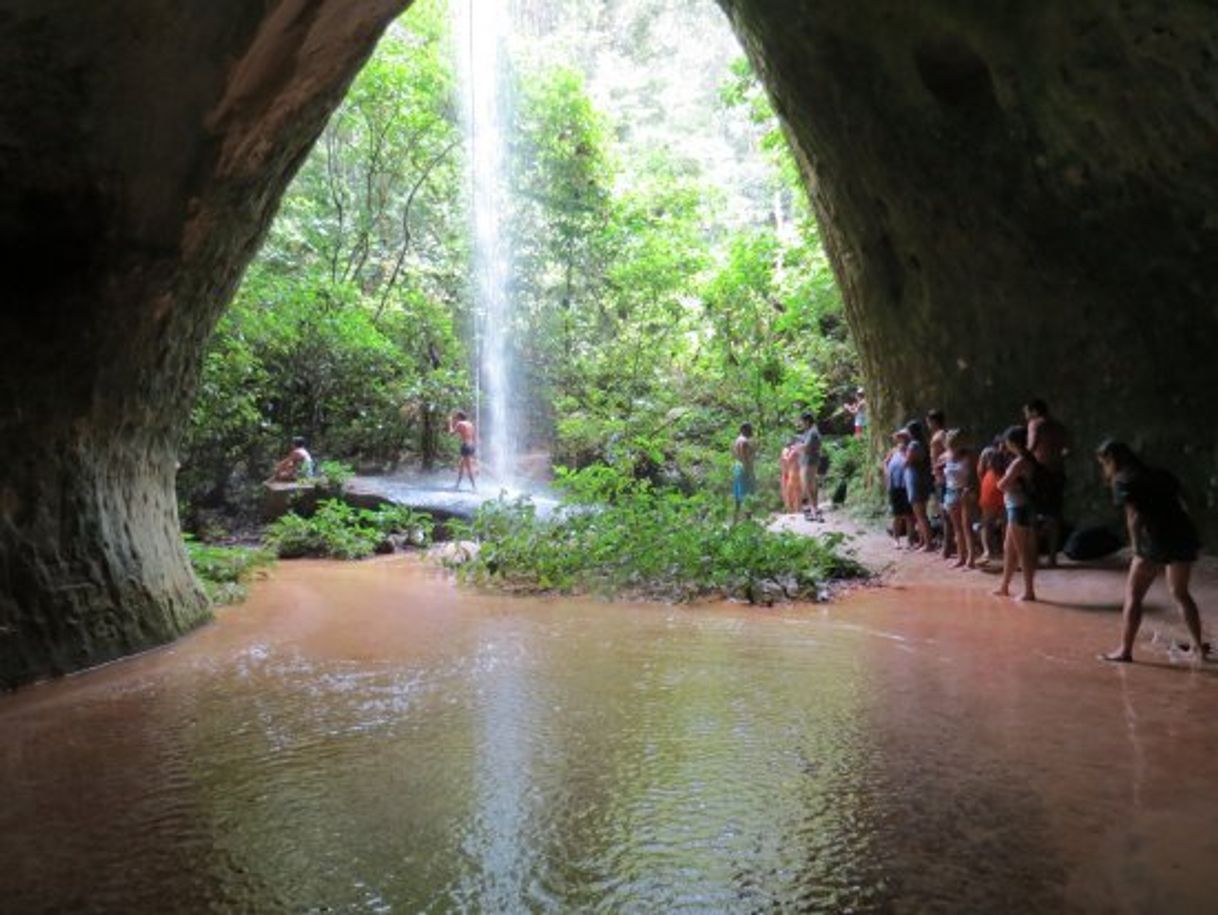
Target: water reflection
x=367, y=739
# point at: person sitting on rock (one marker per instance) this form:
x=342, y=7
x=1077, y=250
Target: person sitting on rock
x=1162, y=535
x=298, y=463
x=460, y=426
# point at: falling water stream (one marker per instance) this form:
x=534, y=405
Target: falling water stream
x=481, y=29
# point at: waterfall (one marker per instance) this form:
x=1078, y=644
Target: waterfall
x=480, y=32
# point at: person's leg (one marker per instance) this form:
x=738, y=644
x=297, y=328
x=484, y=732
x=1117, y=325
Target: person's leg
x=1141, y=574
x=460, y=470
x=1010, y=555
x=814, y=491
x=469, y=469
x=1026, y=542
x=986, y=532
x=923, y=523
x=967, y=544
x=1178, y=575
x=955, y=517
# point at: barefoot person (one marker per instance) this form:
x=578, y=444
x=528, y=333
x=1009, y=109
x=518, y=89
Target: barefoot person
x=809, y=466
x=898, y=498
x=1048, y=442
x=788, y=463
x=744, y=479
x=460, y=426
x=936, y=422
x=298, y=463
x=990, y=467
x=858, y=409
x=959, y=475
x=918, y=481
x=1162, y=536
x=1019, y=545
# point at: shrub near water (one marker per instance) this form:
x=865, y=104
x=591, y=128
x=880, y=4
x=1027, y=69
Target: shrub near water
x=338, y=531
x=225, y=570
x=649, y=543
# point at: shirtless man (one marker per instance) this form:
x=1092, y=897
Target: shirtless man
x=460, y=426
x=1049, y=443
x=744, y=479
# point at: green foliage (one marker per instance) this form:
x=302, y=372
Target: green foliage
x=650, y=318
x=339, y=531
x=647, y=542
x=224, y=571
x=334, y=474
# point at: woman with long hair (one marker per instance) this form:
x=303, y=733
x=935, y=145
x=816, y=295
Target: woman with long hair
x=918, y=481
x=1162, y=535
x=1019, y=544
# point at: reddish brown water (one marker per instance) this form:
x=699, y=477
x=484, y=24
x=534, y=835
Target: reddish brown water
x=367, y=738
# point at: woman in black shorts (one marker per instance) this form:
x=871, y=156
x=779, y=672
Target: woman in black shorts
x=1162, y=535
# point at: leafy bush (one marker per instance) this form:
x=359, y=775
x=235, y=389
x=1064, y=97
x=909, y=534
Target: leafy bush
x=225, y=570
x=647, y=542
x=338, y=531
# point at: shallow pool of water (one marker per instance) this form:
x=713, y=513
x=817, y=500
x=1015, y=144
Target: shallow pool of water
x=368, y=738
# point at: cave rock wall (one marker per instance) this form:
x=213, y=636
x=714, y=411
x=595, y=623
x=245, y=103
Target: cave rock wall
x=143, y=148
x=1020, y=200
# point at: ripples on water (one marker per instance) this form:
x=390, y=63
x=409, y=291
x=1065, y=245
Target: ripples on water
x=375, y=742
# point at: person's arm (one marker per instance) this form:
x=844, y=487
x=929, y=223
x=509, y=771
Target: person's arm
x=1010, y=479
x=1033, y=429
x=1131, y=524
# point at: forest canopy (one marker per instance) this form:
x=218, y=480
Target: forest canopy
x=667, y=275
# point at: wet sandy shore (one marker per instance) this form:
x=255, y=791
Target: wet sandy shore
x=1093, y=588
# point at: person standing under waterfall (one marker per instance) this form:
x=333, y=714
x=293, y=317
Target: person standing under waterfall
x=744, y=477
x=460, y=426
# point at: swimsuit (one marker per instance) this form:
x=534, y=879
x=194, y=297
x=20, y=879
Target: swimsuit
x=956, y=482
x=1016, y=502
x=744, y=482
x=898, y=499
x=1166, y=534
x=991, y=495
x=917, y=473
x=467, y=450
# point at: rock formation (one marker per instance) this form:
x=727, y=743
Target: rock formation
x=1019, y=200
x=143, y=149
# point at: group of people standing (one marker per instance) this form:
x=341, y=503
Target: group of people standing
x=1001, y=494
x=1013, y=492
x=800, y=464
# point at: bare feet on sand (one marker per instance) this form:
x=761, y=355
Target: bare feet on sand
x=1120, y=656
